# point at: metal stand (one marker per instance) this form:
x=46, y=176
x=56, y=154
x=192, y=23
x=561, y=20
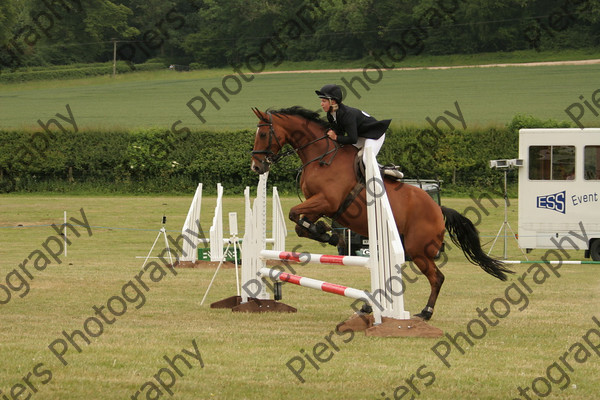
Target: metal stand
x=505, y=224
x=164, y=233
x=233, y=239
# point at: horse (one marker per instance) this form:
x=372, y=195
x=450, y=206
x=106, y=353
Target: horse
x=328, y=179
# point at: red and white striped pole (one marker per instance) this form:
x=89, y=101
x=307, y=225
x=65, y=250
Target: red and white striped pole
x=315, y=258
x=315, y=284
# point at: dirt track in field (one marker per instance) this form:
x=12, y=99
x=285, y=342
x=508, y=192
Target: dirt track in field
x=528, y=64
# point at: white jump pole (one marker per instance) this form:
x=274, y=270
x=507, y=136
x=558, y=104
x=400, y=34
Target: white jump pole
x=553, y=262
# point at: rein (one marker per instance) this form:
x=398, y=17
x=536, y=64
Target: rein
x=273, y=158
x=322, y=156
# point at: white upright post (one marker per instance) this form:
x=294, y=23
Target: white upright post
x=386, y=251
x=191, y=226
x=254, y=241
x=216, y=229
x=65, y=232
x=279, y=228
x=233, y=234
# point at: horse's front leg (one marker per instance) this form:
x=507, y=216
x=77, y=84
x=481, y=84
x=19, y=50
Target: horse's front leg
x=307, y=213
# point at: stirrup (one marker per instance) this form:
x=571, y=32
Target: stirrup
x=392, y=171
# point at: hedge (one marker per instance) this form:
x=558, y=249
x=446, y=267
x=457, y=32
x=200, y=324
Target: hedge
x=73, y=71
x=156, y=160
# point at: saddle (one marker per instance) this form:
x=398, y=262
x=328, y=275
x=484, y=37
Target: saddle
x=391, y=171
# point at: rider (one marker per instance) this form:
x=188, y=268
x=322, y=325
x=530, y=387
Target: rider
x=351, y=125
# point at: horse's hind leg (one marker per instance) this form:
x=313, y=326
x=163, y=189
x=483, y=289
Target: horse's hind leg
x=436, y=280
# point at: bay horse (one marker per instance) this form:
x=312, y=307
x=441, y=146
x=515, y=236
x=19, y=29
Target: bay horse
x=328, y=176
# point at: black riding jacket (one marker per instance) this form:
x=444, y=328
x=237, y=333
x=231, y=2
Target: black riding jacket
x=350, y=123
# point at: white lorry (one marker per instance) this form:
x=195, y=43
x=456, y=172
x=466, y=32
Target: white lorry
x=559, y=190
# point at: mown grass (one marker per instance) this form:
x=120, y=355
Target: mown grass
x=245, y=355
x=486, y=96
x=522, y=56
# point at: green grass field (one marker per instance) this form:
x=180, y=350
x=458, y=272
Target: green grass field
x=486, y=96
x=245, y=355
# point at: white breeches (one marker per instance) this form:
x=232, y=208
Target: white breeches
x=374, y=144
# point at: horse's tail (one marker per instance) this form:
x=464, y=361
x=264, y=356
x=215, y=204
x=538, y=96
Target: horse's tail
x=464, y=234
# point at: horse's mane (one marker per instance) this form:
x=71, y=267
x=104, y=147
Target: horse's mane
x=301, y=112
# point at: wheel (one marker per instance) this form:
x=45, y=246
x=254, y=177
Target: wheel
x=595, y=250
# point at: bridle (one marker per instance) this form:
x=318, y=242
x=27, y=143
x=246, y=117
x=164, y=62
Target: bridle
x=272, y=157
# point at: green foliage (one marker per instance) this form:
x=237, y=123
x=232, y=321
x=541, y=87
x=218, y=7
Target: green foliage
x=196, y=66
x=157, y=160
x=217, y=33
x=72, y=71
x=149, y=66
x=521, y=121
x=7, y=19
x=75, y=31
x=459, y=158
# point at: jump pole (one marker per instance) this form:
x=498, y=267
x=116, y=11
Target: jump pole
x=554, y=262
x=305, y=258
x=315, y=284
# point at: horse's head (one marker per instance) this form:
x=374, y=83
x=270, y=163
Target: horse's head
x=302, y=129
x=267, y=143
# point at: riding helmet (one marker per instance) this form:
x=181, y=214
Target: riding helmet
x=330, y=91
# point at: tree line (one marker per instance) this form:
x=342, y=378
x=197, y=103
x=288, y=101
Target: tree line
x=216, y=33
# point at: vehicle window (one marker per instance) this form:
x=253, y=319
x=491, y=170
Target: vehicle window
x=591, y=162
x=563, y=163
x=539, y=162
x=552, y=162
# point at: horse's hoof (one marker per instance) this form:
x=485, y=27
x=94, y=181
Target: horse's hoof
x=366, y=309
x=424, y=315
x=334, y=239
x=301, y=231
x=321, y=227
